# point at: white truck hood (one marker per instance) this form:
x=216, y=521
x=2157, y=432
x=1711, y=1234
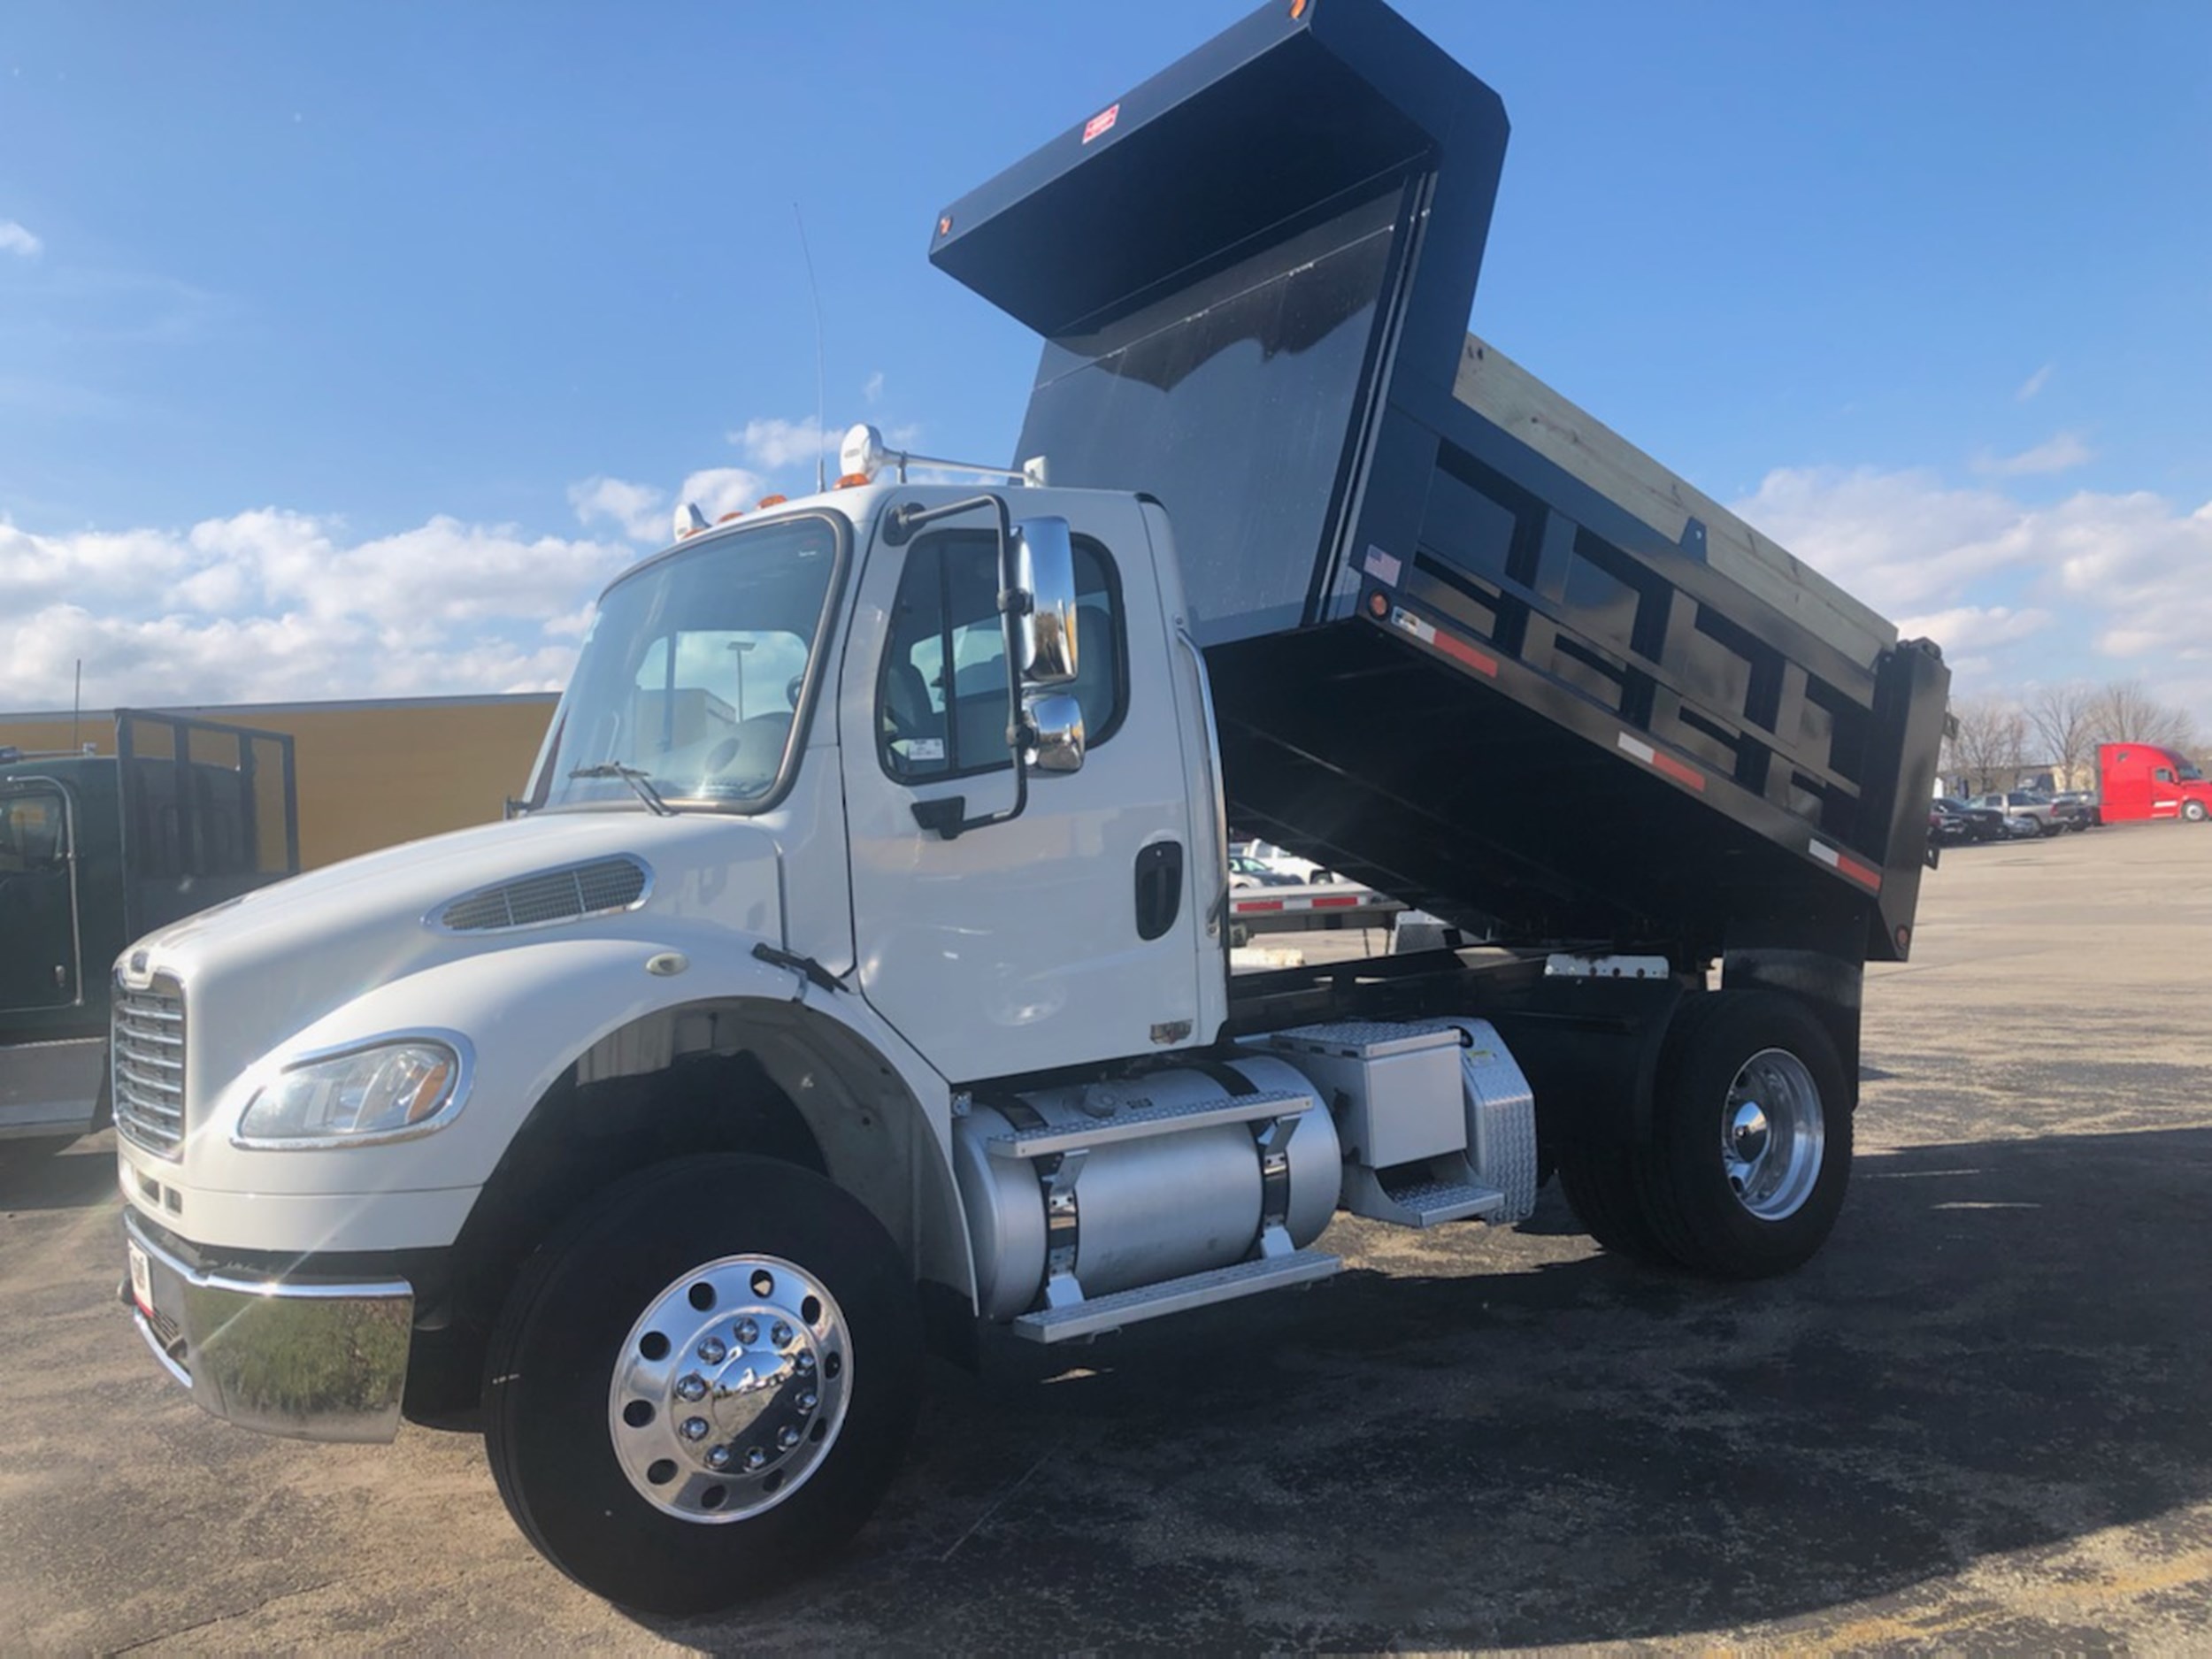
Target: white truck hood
x=263, y=967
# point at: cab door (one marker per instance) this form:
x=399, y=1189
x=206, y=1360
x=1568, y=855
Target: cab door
x=40, y=964
x=2165, y=793
x=1065, y=934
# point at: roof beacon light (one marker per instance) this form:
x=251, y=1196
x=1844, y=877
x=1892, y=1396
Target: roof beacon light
x=863, y=454
x=689, y=519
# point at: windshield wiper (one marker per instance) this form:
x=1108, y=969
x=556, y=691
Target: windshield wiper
x=640, y=782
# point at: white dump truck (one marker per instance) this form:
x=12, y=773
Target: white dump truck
x=856, y=975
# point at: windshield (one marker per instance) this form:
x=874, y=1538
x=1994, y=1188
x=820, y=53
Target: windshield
x=693, y=674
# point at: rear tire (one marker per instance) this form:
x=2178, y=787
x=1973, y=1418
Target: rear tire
x=1600, y=1178
x=747, y=1297
x=1751, y=1147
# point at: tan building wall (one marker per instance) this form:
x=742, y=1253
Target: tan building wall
x=370, y=774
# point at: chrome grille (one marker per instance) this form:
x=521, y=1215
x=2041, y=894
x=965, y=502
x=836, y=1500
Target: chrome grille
x=555, y=896
x=148, y=1054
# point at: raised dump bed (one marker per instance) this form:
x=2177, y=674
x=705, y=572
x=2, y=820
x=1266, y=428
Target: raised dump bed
x=1468, y=646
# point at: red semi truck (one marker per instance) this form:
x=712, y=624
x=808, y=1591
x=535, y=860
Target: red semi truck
x=2142, y=780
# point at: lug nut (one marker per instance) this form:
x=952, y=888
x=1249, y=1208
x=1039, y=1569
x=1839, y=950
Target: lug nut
x=694, y=1428
x=693, y=1387
x=712, y=1351
x=719, y=1457
x=787, y=1437
x=755, y=1458
x=808, y=1401
x=803, y=1362
x=748, y=1332
x=781, y=1335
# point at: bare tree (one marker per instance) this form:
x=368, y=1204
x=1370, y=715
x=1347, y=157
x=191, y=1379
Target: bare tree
x=2061, y=718
x=2123, y=712
x=1990, y=743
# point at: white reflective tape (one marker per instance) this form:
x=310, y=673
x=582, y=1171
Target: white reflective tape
x=1636, y=747
x=1827, y=855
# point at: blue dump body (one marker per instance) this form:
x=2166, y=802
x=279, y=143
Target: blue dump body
x=1448, y=659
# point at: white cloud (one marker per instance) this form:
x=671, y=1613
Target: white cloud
x=1902, y=541
x=272, y=605
x=720, y=489
x=2034, y=383
x=640, y=510
x=872, y=391
x=1972, y=634
x=2097, y=586
x=2059, y=453
x=16, y=240
x=773, y=443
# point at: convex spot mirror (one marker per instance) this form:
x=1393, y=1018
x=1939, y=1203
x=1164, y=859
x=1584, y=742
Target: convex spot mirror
x=1045, y=640
x=1056, y=725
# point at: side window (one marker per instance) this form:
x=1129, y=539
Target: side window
x=31, y=837
x=940, y=702
x=2162, y=774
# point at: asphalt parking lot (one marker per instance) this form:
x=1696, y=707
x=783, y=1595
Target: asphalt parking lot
x=1978, y=1420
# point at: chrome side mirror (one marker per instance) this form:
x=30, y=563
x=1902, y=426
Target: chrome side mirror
x=1056, y=725
x=1044, y=569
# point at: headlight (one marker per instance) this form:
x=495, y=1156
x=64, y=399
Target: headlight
x=383, y=1092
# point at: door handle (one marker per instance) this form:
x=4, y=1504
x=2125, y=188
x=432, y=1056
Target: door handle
x=1159, y=887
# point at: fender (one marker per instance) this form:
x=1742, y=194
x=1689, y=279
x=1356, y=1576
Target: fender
x=529, y=1012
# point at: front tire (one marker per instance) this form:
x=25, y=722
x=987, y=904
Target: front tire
x=2193, y=810
x=1751, y=1148
x=704, y=1383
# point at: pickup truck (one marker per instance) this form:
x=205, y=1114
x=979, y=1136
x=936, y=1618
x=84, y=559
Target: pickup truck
x=2024, y=811
x=856, y=978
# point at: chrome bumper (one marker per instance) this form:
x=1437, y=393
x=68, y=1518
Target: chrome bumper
x=310, y=1361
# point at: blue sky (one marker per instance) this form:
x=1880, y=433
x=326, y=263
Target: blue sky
x=346, y=351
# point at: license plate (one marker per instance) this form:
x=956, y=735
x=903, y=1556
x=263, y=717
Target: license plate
x=141, y=1279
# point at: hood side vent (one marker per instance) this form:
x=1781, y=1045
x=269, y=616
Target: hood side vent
x=552, y=895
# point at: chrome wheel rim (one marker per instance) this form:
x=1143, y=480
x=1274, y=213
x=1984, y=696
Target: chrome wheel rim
x=1773, y=1134
x=730, y=1389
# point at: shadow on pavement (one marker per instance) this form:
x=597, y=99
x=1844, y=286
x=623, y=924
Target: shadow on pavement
x=76, y=1178
x=2002, y=1347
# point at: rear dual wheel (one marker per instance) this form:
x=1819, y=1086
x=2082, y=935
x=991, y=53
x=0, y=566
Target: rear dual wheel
x=1750, y=1149
x=704, y=1384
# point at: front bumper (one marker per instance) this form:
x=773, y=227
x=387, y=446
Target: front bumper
x=305, y=1360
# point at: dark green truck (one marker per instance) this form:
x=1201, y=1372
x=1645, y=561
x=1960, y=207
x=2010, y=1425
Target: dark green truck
x=97, y=851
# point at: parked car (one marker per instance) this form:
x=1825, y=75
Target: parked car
x=1248, y=871
x=1289, y=865
x=1951, y=821
x=2076, y=809
x=2025, y=812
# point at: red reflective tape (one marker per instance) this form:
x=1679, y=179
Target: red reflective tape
x=1458, y=649
x=1101, y=123
x=1859, y=873
x=1680, y=772
x=1259, y=904
x=1336, y=904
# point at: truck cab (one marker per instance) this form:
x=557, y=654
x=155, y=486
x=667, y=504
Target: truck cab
x=2145, y=780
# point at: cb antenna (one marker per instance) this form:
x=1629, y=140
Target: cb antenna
x=821, y=408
